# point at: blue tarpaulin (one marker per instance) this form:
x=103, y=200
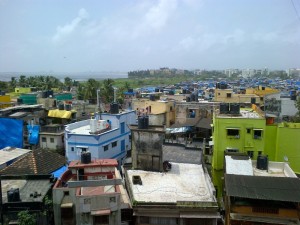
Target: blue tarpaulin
x=59, y=172
x=33, y=131
x=11, y=133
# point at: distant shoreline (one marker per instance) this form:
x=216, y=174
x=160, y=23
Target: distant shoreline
x=6, y=76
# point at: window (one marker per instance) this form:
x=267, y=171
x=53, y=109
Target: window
x=259, y=152
x=219, y=93
x=44, y=139
x=231, y=150
x=101, y=219
x=66, y=192
x=52, y=140
x=72, y=149
x=250, y=154
x=233, y=132
x=248, y=131
x=257, y=133
x=228, y=95
x=105, y=147
x=130, y=137
x=87, y=201
x=192, y=113
x=114, y=144
x=171, y=108
x=112, y=199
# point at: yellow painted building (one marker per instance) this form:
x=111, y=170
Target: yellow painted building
x=228, y=96
x=5, y=101
x=23, y=90
x=261, y=91
x=159, y=112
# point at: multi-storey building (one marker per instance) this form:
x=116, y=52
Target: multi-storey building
x=91, y=192
x=239, y=130
x=106, y=136
x=159, y=111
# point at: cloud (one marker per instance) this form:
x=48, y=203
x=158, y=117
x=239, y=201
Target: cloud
x=63, y=32
x=155, y=18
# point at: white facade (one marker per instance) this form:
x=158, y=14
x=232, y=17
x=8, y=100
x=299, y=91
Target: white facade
x=111, y=143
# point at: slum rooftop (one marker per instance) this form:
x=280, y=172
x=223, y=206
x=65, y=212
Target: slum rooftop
x=243, y=113
x=184, y=183
x=243, y=165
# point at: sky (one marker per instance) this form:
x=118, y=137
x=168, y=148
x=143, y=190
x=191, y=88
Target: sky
x=118, y=35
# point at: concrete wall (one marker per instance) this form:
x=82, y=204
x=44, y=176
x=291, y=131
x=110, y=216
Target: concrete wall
x=147, y=149
x=58, y=141
x=57, y=197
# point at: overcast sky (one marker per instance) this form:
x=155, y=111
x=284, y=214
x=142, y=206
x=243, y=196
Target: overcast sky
x=124, y=35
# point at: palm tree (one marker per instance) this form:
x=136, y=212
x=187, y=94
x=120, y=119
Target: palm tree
x=68, y=83
x=22, y=81
x=107, y=90
x=91, y=87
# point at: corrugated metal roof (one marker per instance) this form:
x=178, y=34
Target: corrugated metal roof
x=266, y=188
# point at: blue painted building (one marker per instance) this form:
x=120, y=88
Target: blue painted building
x=112, y=141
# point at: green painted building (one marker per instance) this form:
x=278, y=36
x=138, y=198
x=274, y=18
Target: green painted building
x=241, y=131
x=249, y=132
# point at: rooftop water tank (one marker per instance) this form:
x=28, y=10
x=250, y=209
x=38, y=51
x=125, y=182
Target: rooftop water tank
x=114, y=108
x=86, y=157
x=262, y=162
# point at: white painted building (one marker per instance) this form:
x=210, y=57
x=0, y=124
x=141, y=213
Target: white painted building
x=112, y=142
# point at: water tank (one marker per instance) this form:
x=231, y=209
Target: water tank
x=114, y=108
x=218, y=85
x=253, y=100
x=167, y=166
x=130, y=90
x=13, y=195
x=86, y=157
x=143, y=122
x=146, y=122
x=192, y=96
x=20, y=101
x=156, y=90
x=235, y=108
x=101, y=125
x=93, y=124
x=50, y=93
x=171, y=92
x=152, y=97
x=44, y=94
x=61, y=106
x=293, y=97
x=196, y=96
x=188, y=99
x=224, y=108
x=183, y=91
x=262, y=162
x=68, y=107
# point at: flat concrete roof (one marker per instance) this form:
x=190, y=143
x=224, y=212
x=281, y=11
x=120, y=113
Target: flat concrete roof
x=244, y=113
x=184, y=182
x=238, y=165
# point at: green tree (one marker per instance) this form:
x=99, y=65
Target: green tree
x=22, y=81
x=13, y=83
x=25, y=218
x=91, y=87
x=68, y=83
x=107, y=90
